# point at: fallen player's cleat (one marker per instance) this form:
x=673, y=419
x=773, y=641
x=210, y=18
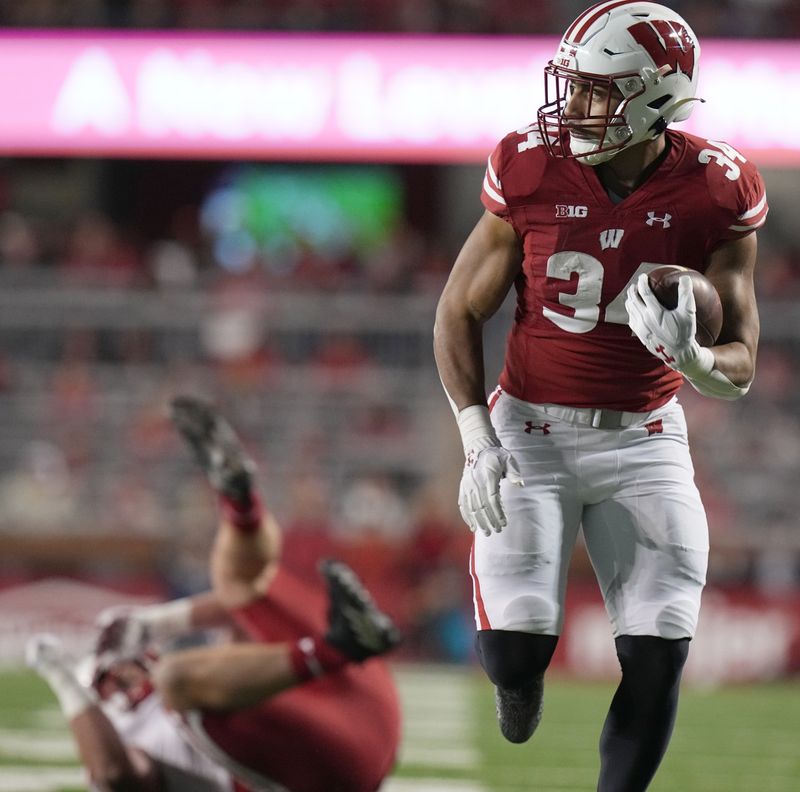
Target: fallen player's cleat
x=215, y=446
x=356, y=627
x=519, y=711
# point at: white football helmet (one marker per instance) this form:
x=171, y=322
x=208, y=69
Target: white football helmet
x=645, y=50
x=120, y=681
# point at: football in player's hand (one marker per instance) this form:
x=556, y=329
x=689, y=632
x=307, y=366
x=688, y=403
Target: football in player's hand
x=664, y=283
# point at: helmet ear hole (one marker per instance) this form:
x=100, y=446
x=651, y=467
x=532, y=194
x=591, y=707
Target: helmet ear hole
x=659, y=102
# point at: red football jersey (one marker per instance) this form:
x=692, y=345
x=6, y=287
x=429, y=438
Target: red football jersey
x=570, y=342
x=337, y=733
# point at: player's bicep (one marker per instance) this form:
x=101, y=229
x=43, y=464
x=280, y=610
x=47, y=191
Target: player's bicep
x=484, y=270
x=731, y=269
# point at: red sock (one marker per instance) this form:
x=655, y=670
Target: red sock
x=313, y=657
x=244, y=515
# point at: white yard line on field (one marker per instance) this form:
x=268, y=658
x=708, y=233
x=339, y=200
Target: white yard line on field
x=47, y=718
x=431, y=785
x=439, y=756
x=29, y=744
x=438, y=719
x=40, y=779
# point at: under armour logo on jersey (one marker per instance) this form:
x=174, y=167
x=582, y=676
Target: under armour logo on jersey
x=564, y=210
x=653, y=218
x=611, y=237
x=530, y=427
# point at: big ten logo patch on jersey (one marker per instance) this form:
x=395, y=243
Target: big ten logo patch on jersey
x=611, y=237
x=564, y=210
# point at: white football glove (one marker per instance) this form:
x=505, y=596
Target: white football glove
x=44, y=651
x=487, y=463
x=669, y=334
x=479, y=494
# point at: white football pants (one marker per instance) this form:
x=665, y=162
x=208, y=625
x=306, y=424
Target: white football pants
x=631, y=489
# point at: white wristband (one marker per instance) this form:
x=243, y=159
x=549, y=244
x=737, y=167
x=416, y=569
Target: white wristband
x=710, y=381
x=718, y=386
x=166, y=620
x=700, y=364
x=476, y=428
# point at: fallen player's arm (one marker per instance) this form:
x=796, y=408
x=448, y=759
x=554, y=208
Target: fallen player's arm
x=207, y=612
x=129, y=630
x=112, y=766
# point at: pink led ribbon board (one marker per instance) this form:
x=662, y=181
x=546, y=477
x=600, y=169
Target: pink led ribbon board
x=304, y=97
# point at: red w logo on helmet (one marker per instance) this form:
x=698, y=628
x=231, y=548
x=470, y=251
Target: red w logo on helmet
x=667, y=43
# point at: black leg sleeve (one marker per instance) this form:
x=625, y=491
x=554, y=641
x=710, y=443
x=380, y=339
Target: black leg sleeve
x=514, y=660
x=639, y=724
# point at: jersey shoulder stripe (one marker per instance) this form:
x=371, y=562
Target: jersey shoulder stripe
x=513, y=170
x=492, y=185
x=752, y=218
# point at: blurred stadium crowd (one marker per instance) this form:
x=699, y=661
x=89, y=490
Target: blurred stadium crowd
x=728, y=18
x=322, y=359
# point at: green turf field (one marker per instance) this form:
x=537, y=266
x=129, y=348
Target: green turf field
x=736, y=740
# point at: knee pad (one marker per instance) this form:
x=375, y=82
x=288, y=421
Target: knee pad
x=513, y=660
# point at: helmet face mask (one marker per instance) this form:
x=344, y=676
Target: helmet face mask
x=643, y=55
x=603, y=130
x=124, y=684
x=121, y=682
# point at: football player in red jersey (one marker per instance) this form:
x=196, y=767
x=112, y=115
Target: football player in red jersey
x=585, y=429
x=335, y=726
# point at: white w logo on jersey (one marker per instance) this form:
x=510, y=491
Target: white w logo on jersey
x=611, y=237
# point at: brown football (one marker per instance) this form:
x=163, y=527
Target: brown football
x=664, y=283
